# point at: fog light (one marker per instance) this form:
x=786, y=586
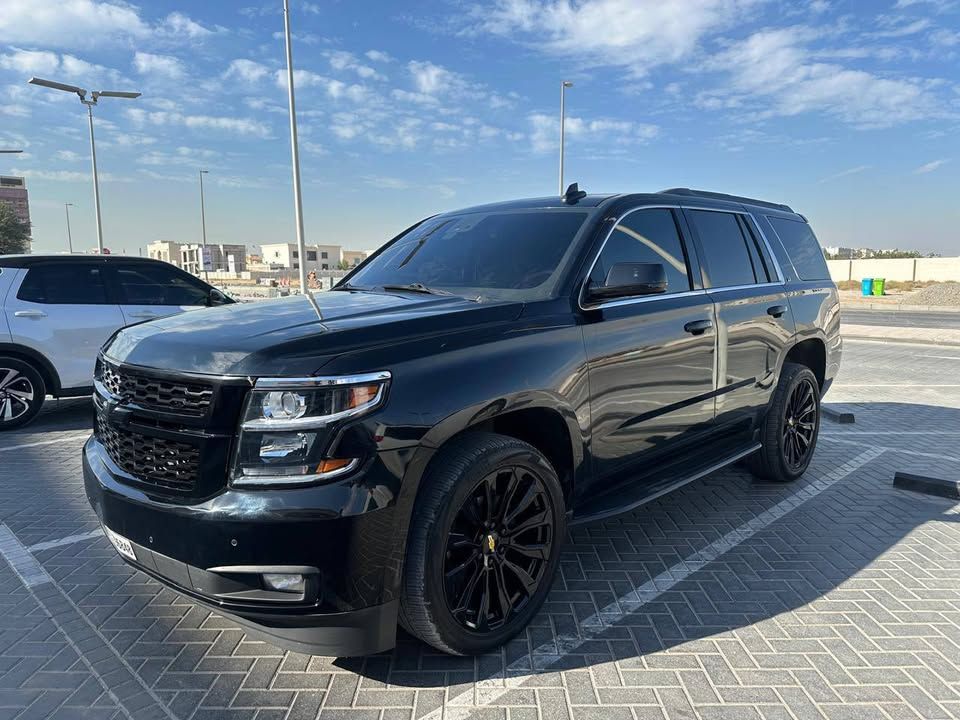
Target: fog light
x=284, y=582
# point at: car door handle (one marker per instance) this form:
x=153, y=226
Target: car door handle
x=30, y=313
x=145, y=314
x=777, y=310
x=698, y=327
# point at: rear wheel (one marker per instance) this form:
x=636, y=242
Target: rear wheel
x=484, y=544
x=789, y=431
x=22, y=391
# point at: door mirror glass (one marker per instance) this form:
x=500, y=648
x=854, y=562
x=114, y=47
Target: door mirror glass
x=216, y=297
x=630, y=280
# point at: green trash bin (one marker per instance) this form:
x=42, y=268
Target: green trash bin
x=878, y=285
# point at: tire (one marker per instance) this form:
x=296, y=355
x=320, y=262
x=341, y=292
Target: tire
x=22, y=391
x=788, y=444
x=437, y=604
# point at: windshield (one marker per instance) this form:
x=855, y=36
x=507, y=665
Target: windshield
x=515, y=255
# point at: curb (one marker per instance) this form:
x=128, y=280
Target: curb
x=901, y=341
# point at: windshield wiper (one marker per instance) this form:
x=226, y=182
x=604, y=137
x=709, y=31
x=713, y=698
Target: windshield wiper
x=348, y=286
x=419, y=287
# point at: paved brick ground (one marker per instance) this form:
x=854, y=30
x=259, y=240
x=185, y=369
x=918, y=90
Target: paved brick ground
x=834, y=597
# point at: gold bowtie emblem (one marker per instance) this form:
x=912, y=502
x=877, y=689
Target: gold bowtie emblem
x=491, y=543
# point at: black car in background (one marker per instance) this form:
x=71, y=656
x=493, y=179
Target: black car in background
x=411, y=446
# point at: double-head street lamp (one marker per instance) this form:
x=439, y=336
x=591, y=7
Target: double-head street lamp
x=11, y=151
x=563, y=90
x=94, y=97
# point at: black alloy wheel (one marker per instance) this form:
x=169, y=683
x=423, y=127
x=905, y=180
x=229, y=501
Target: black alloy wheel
x=800, y=424
x=498, y=548
x=788, y=431
x=483, y=545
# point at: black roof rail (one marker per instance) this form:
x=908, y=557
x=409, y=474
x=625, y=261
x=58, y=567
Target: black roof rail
x=729, y=198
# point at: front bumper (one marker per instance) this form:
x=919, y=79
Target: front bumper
x=213, y=552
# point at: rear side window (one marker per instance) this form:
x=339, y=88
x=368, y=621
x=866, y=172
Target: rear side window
x=64, y=284
x=645, y=236
x=159, y=285
x=802, y=247
x=727, y=258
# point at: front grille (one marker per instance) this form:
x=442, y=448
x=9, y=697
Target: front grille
x=184, y=398
x=152, y=460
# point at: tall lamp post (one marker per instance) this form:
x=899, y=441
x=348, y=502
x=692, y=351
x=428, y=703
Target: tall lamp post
x=203, y=228
x=294, y=149
x=563, y=91
x=66, y=207
x=94, y=97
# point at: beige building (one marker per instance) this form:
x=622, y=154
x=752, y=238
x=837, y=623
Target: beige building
x=189, y=256
x=319, y=257
x=354, y=257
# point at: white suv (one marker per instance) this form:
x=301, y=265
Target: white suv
x=56, y=311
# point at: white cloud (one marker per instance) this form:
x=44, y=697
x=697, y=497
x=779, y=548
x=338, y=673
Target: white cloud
x=163, y=65
x=177, y=25
x=71, y=23
x=930, y=166
x=545, y=131
x=67, y=155
x=68, y=175
x=846, y=173
x=639, y=34
x=431, y=79
x=778, y=68
x=89, y=24
x=247, y=70
x=378, y=56
x=66, y=68
x=342, y=60
x=30, y=62
x=240, y=126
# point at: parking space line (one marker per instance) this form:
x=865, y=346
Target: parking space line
x=593, y=626
x=94, y=650
x=24, y=564
x=68, y=438
x=915, y=453
x=68, y=540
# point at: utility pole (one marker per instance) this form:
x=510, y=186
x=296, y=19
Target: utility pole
x=203, y=229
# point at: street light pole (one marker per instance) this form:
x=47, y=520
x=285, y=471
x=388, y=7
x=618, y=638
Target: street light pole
x=203, y=228
x=96, y=177
x=66, y=207
x=294, y=149
x=563, y=90
x=94, y=97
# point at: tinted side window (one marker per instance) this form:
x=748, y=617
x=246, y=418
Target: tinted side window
x=646, y=236
x=64, y=284
x=726, y=260
x=803, y=248
x=158, y=285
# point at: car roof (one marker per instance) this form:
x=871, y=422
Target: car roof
x=539, y=203
x=672, y=196
x=26, y=261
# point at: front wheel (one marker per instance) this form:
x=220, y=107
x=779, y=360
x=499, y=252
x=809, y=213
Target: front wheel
x=788, y=433
x=21, y=393
x=484, y=544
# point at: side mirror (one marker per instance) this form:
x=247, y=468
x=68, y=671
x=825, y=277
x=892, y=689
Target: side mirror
x=630, y=280
x=215, y=297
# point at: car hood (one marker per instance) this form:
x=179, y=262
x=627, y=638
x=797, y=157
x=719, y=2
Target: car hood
x=295, y=335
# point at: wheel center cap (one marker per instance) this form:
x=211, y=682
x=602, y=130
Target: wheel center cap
x=491, y=543
x=790, y=422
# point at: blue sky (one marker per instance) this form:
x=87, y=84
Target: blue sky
x=848, y=111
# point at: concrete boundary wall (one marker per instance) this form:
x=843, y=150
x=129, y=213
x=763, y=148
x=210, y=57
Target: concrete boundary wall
x=915, y=269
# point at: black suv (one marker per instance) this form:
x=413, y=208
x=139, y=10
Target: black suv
x=412, y=445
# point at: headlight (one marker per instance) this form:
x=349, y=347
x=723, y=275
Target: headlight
x=284, y=429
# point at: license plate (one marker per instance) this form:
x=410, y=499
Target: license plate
x=123, y=546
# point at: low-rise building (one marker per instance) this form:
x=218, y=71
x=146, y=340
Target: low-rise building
x=319, y=257
x=189, y=256
x=13, y=191
x=352, y=258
